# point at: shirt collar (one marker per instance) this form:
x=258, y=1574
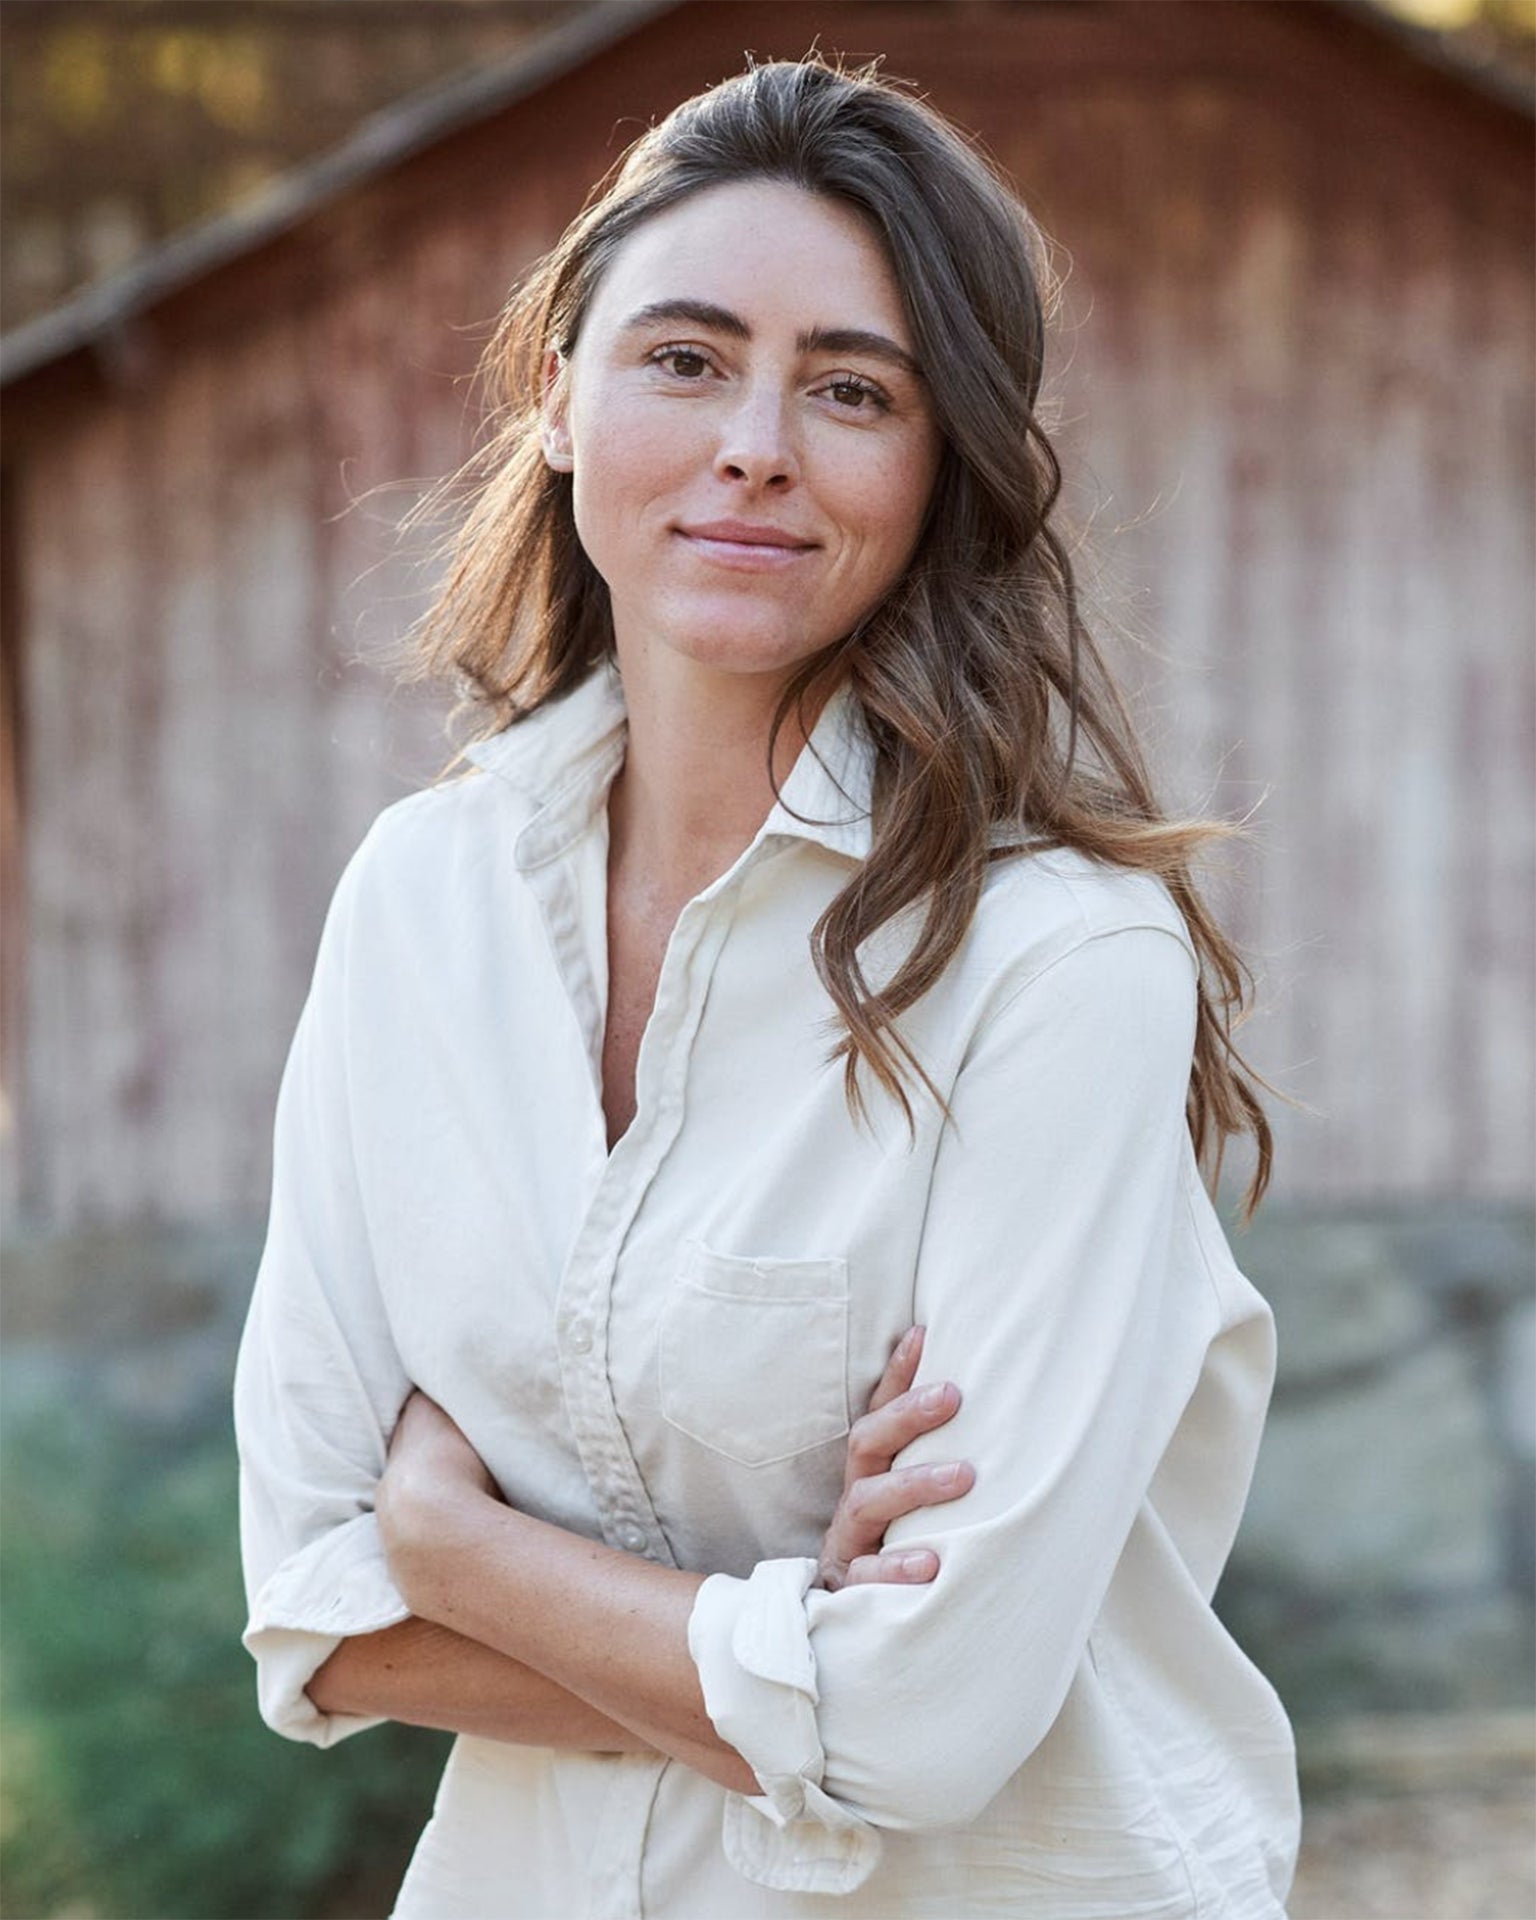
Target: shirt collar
x=565, y=754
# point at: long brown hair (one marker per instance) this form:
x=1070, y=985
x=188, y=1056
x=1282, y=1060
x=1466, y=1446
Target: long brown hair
x=986, y=697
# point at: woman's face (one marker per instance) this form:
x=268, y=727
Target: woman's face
x=745, y=358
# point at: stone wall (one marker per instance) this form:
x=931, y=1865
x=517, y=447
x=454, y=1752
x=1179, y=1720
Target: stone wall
x=1387, y=1558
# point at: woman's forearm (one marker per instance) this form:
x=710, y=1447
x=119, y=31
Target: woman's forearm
x=429, y=1676
x=600, y=1624
x=550, y=1636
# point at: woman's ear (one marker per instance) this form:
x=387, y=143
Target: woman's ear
x=553, y=431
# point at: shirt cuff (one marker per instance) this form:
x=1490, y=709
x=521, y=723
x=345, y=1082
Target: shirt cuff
x=750, y=1642
x=337, y=1586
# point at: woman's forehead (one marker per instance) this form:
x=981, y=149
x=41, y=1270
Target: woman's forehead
x=758, y=246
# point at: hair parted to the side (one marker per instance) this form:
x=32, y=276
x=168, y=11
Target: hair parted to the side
x=986, y=697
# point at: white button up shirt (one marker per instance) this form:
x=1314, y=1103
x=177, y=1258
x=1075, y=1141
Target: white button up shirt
x=663, y=1347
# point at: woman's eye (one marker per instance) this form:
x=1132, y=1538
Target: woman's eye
x=852, y=392
x=663, y=354
x=859, y=396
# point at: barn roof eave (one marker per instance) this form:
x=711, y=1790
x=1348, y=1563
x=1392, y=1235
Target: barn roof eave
x=101, y=313
x=1447, y=53
x=383, y=140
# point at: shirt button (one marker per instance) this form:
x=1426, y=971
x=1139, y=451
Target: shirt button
x=579, y=1338
x=632, y=1537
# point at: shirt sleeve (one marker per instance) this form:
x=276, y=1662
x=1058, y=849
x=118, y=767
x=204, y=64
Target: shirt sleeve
x=1046, y=1284
x=318, y=1383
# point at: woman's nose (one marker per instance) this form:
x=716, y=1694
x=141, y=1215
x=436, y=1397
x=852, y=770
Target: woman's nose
x=757, y=439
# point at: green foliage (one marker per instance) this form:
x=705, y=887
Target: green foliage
x=139, y=1781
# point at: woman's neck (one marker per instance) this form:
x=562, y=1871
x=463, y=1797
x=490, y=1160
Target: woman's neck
x=694, y=786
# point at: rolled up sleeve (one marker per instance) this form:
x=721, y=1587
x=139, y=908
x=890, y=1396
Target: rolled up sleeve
x=318, y=1383
x=1049, y=1292
x=758, y=1675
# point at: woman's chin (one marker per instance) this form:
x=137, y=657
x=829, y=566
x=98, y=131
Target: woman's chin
x=725, y=648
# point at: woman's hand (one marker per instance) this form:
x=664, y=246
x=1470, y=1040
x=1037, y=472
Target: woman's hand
x=874, y=1495
x=433, y=1474
x=431, y=1477
x=428, y=1452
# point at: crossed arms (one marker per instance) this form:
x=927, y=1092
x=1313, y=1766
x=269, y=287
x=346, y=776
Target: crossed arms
x=1045, y=1288
x=523, y=1631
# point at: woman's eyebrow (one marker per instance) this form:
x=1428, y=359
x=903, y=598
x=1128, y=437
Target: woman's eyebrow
x=704, y=313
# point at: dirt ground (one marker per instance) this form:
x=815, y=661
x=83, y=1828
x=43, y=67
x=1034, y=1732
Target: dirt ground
x=1464, y=1853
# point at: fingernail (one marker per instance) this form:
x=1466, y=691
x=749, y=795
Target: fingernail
x=904, y=1344
x=948, y=1476
x=933, y=1398
x=915, y=1562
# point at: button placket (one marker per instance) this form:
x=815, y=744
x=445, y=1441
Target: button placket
x=560, y=913
x=623, y=1501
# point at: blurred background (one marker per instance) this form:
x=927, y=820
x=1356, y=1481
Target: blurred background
x=249, y=252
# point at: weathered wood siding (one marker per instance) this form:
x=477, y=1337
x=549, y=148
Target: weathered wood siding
x=1295, y=370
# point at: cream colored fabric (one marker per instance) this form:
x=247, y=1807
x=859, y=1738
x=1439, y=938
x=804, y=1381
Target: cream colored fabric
x=663, y=1346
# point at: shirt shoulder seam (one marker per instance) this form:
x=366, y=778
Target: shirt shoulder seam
x=1076, y=946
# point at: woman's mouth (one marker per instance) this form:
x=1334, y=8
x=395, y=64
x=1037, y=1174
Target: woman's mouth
x=759, y=554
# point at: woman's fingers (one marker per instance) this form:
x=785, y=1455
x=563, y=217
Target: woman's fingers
x=875, y=1440
x=875, y=1494
x=900, y=1369
x=868, y=1507
x=901, y=1566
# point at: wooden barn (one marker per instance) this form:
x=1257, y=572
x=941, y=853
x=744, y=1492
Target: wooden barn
x=1295, y=386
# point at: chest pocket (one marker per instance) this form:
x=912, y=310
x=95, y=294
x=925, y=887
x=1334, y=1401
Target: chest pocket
x=752, y=1355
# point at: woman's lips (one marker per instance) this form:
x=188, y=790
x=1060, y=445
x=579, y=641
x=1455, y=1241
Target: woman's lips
x=744, y=555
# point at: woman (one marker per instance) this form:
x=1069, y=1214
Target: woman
x=584, y=1243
